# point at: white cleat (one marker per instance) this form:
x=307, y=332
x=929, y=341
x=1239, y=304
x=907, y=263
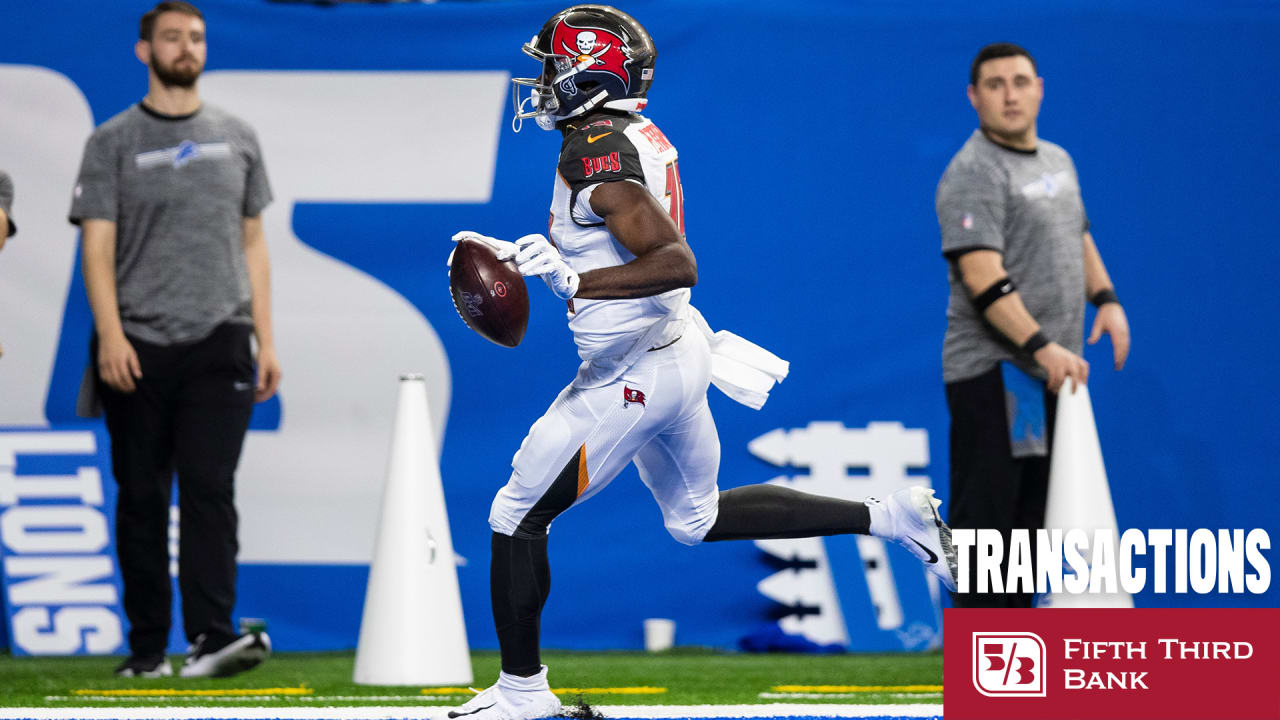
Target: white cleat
x=136, y=667
x=512, y=698
x=910, y=518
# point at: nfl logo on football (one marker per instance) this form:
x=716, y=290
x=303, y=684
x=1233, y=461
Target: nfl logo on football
x=1008, y=664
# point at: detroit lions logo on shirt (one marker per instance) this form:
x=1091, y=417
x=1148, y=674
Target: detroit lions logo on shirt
x=181, y=154
x=1048, y=185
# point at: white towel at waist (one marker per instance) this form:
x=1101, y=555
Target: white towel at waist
x=741, y=369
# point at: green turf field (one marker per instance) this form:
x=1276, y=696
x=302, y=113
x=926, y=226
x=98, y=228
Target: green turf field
x=677, y=677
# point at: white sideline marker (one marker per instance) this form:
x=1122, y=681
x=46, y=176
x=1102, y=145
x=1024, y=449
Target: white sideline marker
x=412, y=631
x=1079, y=494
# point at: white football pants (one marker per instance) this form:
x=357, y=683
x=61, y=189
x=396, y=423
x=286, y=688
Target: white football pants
x=655, y=414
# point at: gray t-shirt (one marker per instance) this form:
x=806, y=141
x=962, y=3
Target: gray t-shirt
x=178, y=189
x=6, y=204
x=1027, y=206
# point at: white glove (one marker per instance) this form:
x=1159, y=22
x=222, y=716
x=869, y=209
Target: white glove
x=505, y=250
x=539, y=257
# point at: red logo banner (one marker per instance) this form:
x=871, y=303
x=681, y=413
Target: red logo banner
x=601, y=49
x=1066, y=664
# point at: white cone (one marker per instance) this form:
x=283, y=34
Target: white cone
x=1079, y=495
x=412, y=631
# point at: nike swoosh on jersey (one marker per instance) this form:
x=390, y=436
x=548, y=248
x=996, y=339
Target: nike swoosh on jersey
x=933, y=558
x=593, y=138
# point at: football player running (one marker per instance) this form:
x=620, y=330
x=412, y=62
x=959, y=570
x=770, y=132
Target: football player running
x=618, y=255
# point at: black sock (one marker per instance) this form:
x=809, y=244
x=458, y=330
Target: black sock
x=761, y=512
x=519, y=582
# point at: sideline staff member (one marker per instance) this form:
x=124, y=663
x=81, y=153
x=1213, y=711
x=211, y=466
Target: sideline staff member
x=7, y=226
x=1022, y=263
x=169, y=197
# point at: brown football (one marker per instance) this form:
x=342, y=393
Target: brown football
x=489, y=295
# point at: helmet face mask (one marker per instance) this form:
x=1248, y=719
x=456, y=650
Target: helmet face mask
x=541, y=103
x=593, y=56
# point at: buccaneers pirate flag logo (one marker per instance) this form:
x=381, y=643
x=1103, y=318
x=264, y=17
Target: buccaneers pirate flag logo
x=631, y=396
x=604, y=51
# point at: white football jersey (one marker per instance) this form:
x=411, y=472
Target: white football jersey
x=627, y=149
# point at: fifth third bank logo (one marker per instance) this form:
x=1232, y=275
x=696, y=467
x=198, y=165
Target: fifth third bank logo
x=1008, y=664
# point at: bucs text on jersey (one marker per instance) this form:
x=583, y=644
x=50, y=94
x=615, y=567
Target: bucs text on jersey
x=626, y=148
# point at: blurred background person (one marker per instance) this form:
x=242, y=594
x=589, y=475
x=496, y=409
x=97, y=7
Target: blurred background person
x=169, y=199
x=1022, y=262
x=7, y=226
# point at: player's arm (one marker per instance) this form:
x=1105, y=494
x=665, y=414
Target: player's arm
x=117, y=361
x=259, y=265
x=984, y=276
x=605, y=164
x=663, y=260
x=1110, y=318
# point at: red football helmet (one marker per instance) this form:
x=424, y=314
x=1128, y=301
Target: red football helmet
x=593, y=56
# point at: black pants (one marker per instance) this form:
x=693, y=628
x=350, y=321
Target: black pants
x=189, y=413
x=989, y=487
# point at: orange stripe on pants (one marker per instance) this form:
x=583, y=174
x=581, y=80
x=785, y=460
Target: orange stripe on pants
x=583, y=480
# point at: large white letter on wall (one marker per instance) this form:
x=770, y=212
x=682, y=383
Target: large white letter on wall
x=44, y=121
x=309, y=492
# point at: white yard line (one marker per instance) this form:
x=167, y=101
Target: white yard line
x=770, y=710
x=256, y=698
x=438, y=712
x=847, y=696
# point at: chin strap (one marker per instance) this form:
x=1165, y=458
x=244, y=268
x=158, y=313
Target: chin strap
x=528, y=106
x=517, y=122
x=549, y=122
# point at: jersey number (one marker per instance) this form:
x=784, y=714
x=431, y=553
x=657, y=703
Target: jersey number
x=675, y=194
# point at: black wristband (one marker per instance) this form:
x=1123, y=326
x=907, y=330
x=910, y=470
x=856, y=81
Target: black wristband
x=1034, y=343
x=1104, y=296
x=998, y=289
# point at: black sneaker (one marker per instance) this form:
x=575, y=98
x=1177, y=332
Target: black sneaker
x=152, y=666
x=243, y=653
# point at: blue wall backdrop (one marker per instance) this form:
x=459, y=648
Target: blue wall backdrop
x=812, y=136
